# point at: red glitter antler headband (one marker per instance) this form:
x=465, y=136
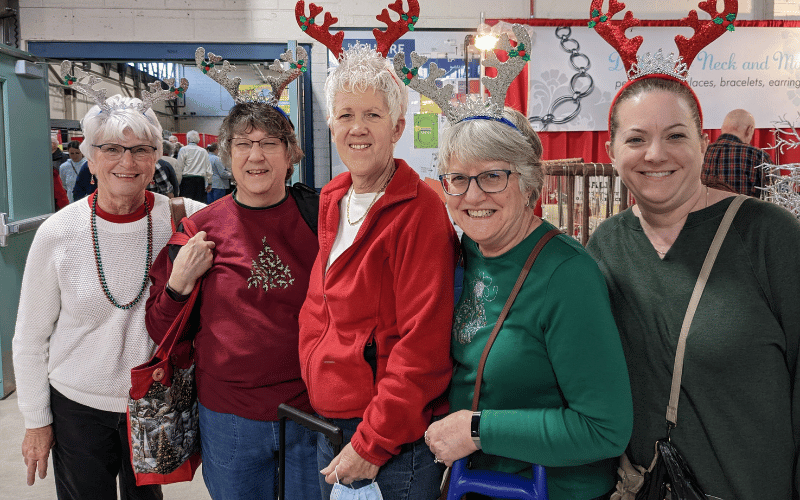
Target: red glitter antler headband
x=384, y=39
x=705, y=32
x=658, y=65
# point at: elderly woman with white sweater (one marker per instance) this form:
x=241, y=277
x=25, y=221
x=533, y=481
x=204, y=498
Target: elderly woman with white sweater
x=80, y=327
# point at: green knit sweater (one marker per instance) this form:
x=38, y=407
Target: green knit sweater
x=739, y=410
x=555, y=390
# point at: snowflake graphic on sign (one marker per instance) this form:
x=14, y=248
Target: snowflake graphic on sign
x=268, y=271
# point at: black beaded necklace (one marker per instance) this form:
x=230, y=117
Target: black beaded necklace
x=101, y=275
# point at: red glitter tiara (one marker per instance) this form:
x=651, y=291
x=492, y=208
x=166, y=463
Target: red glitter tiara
x=384, y=39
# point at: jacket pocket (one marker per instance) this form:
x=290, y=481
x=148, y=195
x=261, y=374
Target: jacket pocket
x=344, y=379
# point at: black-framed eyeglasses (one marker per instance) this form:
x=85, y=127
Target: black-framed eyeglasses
x=491, y=181
x=241, y=145
x=115, y=151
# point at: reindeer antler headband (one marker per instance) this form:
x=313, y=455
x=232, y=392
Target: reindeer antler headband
x=657, y=65
x=492, y=109
x=156, y=94
x=384, y=39
x=209, y=66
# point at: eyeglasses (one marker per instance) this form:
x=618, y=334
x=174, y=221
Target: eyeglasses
x=491, y=181
x=240, y=145
x=115, y=151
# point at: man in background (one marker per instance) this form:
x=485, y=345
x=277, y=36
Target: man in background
x=195, y=167
x=732, y=161
x=220, y=177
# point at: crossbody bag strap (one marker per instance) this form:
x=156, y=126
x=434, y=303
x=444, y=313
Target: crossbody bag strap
x=677, y=371
x=522, y=275
x=177, y=211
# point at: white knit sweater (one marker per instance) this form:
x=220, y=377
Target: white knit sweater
x=67, y=333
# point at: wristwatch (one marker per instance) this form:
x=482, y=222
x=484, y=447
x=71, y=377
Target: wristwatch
x=475, y=429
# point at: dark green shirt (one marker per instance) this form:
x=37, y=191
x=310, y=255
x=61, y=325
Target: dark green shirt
x=555, y=389
x=738, y=413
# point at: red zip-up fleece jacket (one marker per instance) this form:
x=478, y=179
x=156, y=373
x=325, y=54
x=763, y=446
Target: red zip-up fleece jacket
x=394, y=287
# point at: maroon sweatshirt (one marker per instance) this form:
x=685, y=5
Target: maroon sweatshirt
x=246, y=346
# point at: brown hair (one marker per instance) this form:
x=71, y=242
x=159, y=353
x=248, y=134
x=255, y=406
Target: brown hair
x=245, y=117
x=647, y=85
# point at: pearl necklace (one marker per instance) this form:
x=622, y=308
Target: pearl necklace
x=374, y=199
x=101, y=275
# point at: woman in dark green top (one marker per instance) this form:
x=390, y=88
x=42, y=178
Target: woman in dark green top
x=738, y=424
x=555, y=390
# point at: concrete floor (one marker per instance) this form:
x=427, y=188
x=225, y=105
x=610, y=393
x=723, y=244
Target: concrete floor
x=13, y=470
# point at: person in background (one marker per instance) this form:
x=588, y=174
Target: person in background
x=59, y=156
x=60, y=197
x=571, y=412
x=160, y=183
x=169, y=163
x=738, y=419
x=255, y=250
x=68, y=171
x=220, y=179
x=732, y=161
x=375, y=327
x=85, y=183
x=195, y=168
x=80, y=326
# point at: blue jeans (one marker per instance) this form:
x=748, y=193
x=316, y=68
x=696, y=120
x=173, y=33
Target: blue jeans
x=240, y=458
x=411, y=475
x=214, y=195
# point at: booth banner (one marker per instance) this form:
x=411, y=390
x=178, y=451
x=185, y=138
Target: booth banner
x=755, y=68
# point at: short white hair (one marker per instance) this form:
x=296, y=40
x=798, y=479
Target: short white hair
x=192, y=136
x=360, y=69
x=101, y=127
x=477, y=141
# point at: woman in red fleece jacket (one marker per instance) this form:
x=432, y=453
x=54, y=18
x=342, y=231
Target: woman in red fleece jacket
x=375, y=327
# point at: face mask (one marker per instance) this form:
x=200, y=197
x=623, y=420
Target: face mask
x=368, y=492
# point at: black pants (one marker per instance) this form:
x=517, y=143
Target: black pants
x=194, y=187
x=91, y=450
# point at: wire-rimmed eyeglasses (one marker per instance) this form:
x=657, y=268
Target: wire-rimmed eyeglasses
x=115, y=151
x=240, y=145
x=491, y=181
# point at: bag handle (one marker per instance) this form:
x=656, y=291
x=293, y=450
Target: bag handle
x=522, y=275
x=169, y=342
x=705, y=271
x=177, y=210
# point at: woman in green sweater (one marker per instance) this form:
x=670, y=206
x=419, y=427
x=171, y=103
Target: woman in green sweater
x=555, y=389
x=739, y=413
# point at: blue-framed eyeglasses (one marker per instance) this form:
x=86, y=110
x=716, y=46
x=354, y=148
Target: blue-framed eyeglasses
x=491, y=181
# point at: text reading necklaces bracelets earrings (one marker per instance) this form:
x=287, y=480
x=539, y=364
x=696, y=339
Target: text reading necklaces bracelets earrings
x=664, y=254
x=374, y=199
x=101, y=275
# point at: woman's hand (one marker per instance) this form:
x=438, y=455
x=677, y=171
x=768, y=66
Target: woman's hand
x=192, y=261
x=349, y=466
x=450, y=438
x=35, y=449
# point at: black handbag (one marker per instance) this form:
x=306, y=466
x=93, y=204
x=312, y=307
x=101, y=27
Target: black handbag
x=669, y=476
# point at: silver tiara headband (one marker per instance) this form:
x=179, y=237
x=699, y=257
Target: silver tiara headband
x=85, y=84
x=492, y=108
x=211, y=67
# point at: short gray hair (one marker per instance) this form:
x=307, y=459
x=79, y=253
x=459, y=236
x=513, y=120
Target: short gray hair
x=474, y=141
x=192, y=136
x=100, y=127
x=167, y=148
x=360, y=69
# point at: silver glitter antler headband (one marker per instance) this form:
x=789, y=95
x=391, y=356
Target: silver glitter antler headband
x=498, y=86
x=156, y=94
x=209, y=66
